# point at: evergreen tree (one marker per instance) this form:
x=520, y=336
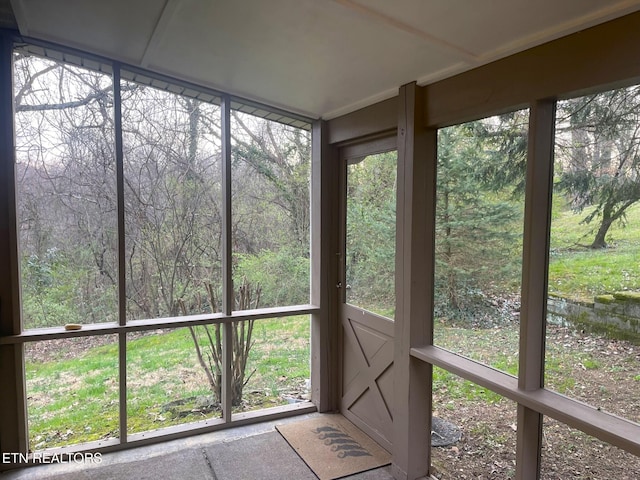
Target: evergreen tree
x=479, y=213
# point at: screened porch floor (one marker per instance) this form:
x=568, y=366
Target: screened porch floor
x=244, y=453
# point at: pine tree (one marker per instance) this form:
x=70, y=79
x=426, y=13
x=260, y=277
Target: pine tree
x=479, y=212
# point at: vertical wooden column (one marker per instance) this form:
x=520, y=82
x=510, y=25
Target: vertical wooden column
x=534, y=281
x=414, y=286
x=227, y=272
x=13, y=412
x=122, y=281
x=324, y=238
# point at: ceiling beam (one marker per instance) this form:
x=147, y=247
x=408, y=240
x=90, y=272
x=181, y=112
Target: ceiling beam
x=558, y=30
x=604, y=56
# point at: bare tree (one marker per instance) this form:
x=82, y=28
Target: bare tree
x=207, y=340
x=66, y=164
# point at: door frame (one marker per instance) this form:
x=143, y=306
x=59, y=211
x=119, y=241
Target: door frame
x=346, y=154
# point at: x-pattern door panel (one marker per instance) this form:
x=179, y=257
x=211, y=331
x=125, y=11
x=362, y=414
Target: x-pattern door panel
x=367, y=390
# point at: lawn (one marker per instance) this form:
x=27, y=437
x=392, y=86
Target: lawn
x=581, y=273
x=72, y=384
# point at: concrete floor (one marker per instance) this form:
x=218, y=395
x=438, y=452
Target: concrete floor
x=255, y=452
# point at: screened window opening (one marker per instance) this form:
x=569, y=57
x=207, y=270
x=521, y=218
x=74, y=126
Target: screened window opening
x=66, y=193
x=584, y=455
x=593, y=308
x=173, y=203
x=473, y=429
x=271, y=171
x=72, y=391
x=124, y=220
x=371, y=233
x=479, y=228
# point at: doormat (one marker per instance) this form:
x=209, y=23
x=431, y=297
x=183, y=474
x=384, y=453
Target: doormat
x=333, y=447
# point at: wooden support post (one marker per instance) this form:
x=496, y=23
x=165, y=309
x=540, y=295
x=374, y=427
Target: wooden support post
x=228, y=296
x=324, y=245
x=122, y=280
x=534, y=282
x=13, y=410
x=414, y=286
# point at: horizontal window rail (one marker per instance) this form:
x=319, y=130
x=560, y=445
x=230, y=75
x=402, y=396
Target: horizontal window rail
x=605, y=426
x=52, y=333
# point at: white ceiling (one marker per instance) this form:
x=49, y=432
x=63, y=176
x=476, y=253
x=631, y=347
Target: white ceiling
x=319, y=58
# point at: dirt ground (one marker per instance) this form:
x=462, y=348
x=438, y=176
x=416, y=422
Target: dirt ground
x=487, y=447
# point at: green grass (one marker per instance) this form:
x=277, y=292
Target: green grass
x=473, y=343
x=497, y=347
x=453, y=387
x=73, y=398
x=580, y=273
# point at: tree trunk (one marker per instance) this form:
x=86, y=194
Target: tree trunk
x=608, y=217
x=452, y=290
x=599, y=240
